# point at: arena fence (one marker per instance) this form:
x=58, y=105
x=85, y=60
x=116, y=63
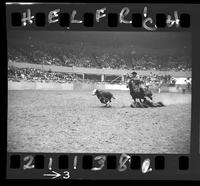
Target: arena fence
x=39, y=86
x=77, y=86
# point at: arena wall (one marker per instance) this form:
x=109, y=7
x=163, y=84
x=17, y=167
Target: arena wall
x=21, y=85
x=83, y=86
x=77, y=86
x=63, y=86
x=39, y=86
x=174, y=89
x=115, y=87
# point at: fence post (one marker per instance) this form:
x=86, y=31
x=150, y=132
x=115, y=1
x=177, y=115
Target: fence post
x=102, y=77
x=122, y=78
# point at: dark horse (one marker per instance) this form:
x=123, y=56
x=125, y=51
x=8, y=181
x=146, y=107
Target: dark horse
x=137, y=92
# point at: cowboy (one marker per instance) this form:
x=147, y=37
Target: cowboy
x=136, y=79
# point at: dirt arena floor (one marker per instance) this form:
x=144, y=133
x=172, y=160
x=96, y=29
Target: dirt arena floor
x=69, y=121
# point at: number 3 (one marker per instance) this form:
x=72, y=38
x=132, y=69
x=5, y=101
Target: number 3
x=101, y=161
x=66, y=175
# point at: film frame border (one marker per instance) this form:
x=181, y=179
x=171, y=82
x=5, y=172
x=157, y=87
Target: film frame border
x=93, y=18
x=133, y=166
x=194, y=134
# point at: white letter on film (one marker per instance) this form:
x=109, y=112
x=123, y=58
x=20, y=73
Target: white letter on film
x=100, y=14
x=26, y=17
x=73, y=17
x=124, y=12
x=52, y=15
x=171, y=22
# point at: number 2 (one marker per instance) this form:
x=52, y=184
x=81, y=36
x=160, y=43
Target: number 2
x=29, y=160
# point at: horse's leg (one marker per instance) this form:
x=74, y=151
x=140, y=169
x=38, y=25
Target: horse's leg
x=132, y=96
x=134, y=102
x=144, y=99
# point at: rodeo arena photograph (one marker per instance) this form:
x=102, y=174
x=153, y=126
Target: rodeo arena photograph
x=99, y=92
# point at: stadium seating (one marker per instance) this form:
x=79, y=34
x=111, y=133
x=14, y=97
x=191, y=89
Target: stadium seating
x=95, y=57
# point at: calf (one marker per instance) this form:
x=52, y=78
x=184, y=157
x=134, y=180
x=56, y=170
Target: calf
x=104, y=97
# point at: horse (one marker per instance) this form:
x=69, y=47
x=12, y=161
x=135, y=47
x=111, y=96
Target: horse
x=137, y=92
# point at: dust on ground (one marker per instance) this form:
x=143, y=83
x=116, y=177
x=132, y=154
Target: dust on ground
x=76, y=122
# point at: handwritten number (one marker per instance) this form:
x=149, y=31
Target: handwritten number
x=66, y=175
x=50, y=163
x=75, y=161
x=101, y=161
x=145, y=166
x=29, y=160
x=122, y=162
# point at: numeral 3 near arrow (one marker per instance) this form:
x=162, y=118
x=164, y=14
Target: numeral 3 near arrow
x=55, y=175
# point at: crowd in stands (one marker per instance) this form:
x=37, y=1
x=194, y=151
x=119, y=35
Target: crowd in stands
x=31, y=74
x=104, y=61
x=91, y=57
x=157, y=80
x=39, y=75
x=80, y=55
